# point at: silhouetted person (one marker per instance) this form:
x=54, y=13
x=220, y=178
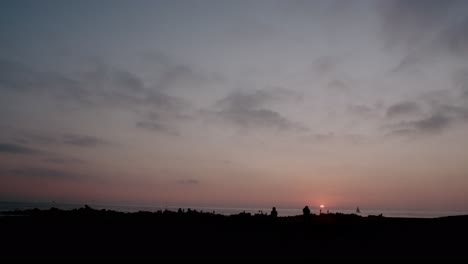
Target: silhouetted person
x=306, y=212
x=274, y=213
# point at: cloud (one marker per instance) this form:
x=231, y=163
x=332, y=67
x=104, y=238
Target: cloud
x=425, y=29
x=104, y=86
x=455, y=38
x=16, y=149
x=359, y=109
x=160, y=101
x=189, y=182
x=248, y=118
x=403, y=109
x=253, y=99
x=156, y=127
x=338, y=85
x=42, y=173
x=77, y=140
x=20, y=78
x=460, y=80
x=170, y=74
x=176, y=74
x=62, y=160
x=46, y=156
x=16, y=76
x=322, y=137
x=434, y=123
x=326, y=64
x=249, y=109
x=156, y=122
x=83, y=140
x=441, y=118
x=410, y=22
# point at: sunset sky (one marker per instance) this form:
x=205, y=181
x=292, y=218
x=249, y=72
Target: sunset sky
x=235, y=103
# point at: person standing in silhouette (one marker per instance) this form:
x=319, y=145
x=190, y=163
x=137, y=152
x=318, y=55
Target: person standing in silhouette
x=306, y=212
x=274, y=213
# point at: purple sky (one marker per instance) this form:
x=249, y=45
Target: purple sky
x=235, y=103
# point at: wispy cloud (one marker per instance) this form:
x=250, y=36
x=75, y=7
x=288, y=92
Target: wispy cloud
x=441, y=118
x=10, y=148
x=189, y=182
x=157, y=127
x=83, y=140
x=425, y=29
x=70, y=139
x=403, y=109
x=62, y=160
x=42, y=173
x=250, y=110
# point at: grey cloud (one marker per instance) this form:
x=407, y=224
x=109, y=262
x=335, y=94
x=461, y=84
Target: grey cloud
x=338, y=85
x=323, y=136
x=411, y=22
x=156, y=122
x=359, y=109
x=16, y=149
x=63, y=160
x=113, y=87
x=83, y=140
x=176, y=74
x=163, y=102
x=455, y=38
x=241, y=100
x=325, y=64
x=443, y=109
x=443, y=117
x=104, y=86
x=171, y=74
x=248, y=118
x=455, y=112
x=105, y=77
x=156, y=127
x=434, y=123
x=36, y=138
x=425, y=28
x=403, y=109
x=42, y=173
x=460, y=80
x=249, y=110
x=17, y=77
x=65, y=139
x=330, y=137
x=46, y=156
x=189, y=182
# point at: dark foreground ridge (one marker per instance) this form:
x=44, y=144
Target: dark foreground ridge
x=86, y=233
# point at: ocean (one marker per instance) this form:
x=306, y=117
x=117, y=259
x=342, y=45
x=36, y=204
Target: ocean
x=10, y=206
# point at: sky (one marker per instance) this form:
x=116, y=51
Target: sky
x=235, y=103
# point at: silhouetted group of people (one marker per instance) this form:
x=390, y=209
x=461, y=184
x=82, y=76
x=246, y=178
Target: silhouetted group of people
x=305, y=212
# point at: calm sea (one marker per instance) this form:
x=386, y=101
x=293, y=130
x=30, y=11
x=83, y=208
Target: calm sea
x=9, y=206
